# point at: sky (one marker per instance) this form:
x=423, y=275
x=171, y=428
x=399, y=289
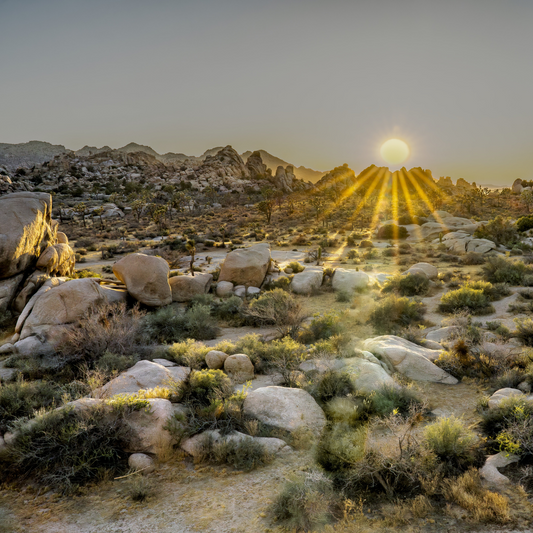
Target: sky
x=317, y=83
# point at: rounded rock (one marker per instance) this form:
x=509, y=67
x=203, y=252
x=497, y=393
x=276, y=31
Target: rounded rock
x=239, y=367
x=141, y=461
x=215, y=359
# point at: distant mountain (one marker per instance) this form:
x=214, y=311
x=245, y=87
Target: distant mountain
x=37, y=152
x=273, y=162
x=29, y=154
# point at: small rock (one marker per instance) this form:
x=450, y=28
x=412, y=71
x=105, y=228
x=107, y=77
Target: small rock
x=215, y=359
x=141, y=461
x=239, y=368
x=224, y=288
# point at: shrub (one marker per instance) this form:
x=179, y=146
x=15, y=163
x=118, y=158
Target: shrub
x=407, y=285
x=23, y=398
x=524, y=223
x=331, y=384
x=188, y=353
x=109, y=328
x=510, y=411
x=245, y=454
x=389, y=399
x=277, y=308
x=85, y=273
x=524, y=331
x=322, y=327
x=484, y=505
x=473, y=258
x=204, y=386
x=282, y=282
x=169, y=324
x=467, y=298
x=139, y=488
x=343, y=296
x=454, y=444
x=366, y=244
x=498, y=269
x=500, y=230
x=392, y=231
x=393, y=313
x=306, y=504
x=65, y=448
x=295, y=267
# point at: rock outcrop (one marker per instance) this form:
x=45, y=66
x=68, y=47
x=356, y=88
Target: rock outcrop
x=26, y=230
x=146, y=278
x=408, y=358
x=246, y=266
x=185, y=288
x=285, y=408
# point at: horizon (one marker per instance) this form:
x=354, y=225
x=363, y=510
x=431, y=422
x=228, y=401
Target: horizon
x=312, y=86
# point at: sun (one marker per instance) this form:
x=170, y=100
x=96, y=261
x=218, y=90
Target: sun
x=394, y=151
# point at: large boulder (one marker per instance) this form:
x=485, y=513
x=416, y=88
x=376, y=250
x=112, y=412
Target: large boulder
x=25, y=230
x=146, y=278
x=349, y=280
x=246, y=266
x=307, y=281
x=239, y=368
x=149, y=429
x=408, y=358
x=8, y=288
x=285, y=408
x=503, y=394
x=57, y=259
x=185, y=288
x=517, y=186
x=195, y=445
x=62, y=305
x=427, y=270
x=143, y=375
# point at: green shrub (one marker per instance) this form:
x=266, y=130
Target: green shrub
x=278, y=308
x=112, y=363
x=331, y=384
x=85, y=273
x=188, y=353
x=393, y=313
x=282, y=282
x=407, y=285
x=524, y=223
x=295, y=267
x=454, y=443
x=230, y=309
x=467, y=298
x=389, y=399
x=169, y=324
x=499, y=269
x=343, y=296
x=65, y=449
x=322, y=327
x=500, y=230
x=524, y=331
x=366, y=244
x=245, y=454
x=392, y=231
x=204, y=386
x=306, y=504
x=23, y=398
x=473, y=258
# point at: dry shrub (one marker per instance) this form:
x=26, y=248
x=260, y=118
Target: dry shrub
x=109, y=328
x=483, y=505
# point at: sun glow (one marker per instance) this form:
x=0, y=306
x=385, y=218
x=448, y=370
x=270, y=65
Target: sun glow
x=394, y=151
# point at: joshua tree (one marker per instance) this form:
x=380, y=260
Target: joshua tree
x=82, y=210
x=266, y=206
x=191, y=248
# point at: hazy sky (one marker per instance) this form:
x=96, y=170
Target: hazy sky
x=318, y=83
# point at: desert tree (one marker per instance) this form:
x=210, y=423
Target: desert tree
x=527, y=198
x=266, y=206
x=82, y=210
x=191, y=248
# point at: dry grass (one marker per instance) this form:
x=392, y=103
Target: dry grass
x=482, y=504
